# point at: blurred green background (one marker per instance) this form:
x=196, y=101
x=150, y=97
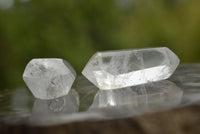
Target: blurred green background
x=75, y=29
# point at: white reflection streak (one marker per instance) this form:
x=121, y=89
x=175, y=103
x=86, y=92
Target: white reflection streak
x=105, y=80
x=111, y=99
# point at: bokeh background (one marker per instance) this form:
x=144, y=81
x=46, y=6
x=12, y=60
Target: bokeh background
x=75, y=29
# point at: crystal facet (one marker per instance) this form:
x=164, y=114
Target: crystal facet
x=49, y=78
x=119, y=69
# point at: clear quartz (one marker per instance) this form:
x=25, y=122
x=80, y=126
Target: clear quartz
x=49, y=78
x=119, y=69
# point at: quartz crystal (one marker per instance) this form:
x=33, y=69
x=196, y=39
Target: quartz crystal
x=119, y=69
x=49, y=78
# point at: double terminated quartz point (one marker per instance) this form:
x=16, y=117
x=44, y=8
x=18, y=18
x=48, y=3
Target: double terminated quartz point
x=119, y=69
x=49, y=78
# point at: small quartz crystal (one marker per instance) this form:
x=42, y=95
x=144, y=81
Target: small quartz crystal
x=125, y=68
x=49, y=78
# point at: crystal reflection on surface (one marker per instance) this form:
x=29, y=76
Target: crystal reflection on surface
x=51, y=110
x=136, y=100
x=106, y=104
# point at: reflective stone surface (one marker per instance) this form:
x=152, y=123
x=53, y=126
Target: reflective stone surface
x=86, y=102
x=137, y=100
x=46, y=110
x=161, y=93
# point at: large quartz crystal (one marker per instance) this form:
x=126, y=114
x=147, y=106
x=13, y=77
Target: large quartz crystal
x=49, y=78
x=119, y=69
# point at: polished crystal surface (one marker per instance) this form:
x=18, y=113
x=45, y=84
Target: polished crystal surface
x=49, y=78
x=125, y=68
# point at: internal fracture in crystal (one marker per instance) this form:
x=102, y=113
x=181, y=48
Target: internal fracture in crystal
x=49, y=78
x=125, y=68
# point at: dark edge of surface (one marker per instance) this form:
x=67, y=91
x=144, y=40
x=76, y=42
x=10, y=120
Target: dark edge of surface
x=182, y=120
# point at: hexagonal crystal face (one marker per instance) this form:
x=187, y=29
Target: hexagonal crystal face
x=49, y=78
x=118, y=69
